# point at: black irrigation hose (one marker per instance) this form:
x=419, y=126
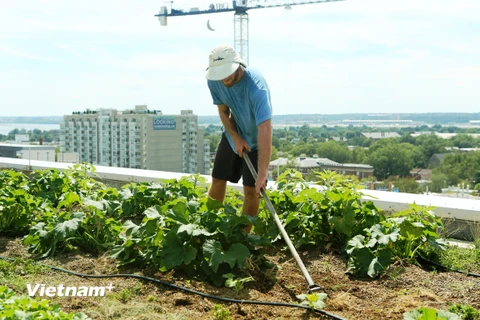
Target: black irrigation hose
x=171, y=285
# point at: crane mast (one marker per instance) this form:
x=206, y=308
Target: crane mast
x=240, y=34
x=240, y=7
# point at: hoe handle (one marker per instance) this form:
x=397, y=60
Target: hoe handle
x=311, y=285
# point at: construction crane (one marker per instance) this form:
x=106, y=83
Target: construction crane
x=240, y=21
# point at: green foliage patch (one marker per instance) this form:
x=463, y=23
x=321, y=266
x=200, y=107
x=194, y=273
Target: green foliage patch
x=14, y=307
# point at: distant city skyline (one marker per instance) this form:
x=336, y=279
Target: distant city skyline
x=351, y=56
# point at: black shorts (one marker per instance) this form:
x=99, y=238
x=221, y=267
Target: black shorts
x=229, y=166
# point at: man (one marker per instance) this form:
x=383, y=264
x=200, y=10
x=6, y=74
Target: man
x=243, y=100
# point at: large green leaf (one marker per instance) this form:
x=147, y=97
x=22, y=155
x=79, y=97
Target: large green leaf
x=152, y=213
x=360, y=261
x=64, y=228
x=410, y=229
x=380, y=263
x=215, y=254
x=180, y=213
x=344, y=224
x=194, y=230
x=68, y=199
x=174, y=252
x=355, y=243
x=383, y=235
x=423, y=313
x=213, y=205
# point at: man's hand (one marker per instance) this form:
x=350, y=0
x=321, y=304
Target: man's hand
x=240, y=145
x=261, y=183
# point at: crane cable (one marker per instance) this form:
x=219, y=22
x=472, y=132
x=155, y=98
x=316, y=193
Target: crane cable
x=171, y=285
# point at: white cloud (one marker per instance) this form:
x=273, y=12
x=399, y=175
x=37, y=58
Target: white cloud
x=9, y=51
x=346, y=56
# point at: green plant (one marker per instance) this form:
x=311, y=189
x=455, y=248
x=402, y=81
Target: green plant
x=404, y=235
x=423, y=313
x=458, y=258
x=19, y=307
x=465, y=311
x=128, y=293
x=91, y=231
x=136, y=198
x=313, y=300
x=189, y=232
x=221, y=313
x=52, y=184
x=151, y=298
x=326, y=217
x=237, y=284
x=53, y=232
x=17, y=205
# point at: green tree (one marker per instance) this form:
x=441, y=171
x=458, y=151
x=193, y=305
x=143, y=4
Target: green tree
x=214, y=141
x=274, y=155
x=359, y=155
x=438, y=181
x=430, y=144
x=359, y=141
x=350, y=135
x=460, y=166
x=463, y=141
x=334, y=151
x=275, y=142
x=407, y=138
x=389, y=159
x=415, y=153
x=407, y=185
x=304, y=131
x=303, y=147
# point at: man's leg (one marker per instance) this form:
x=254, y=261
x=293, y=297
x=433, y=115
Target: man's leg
x=251, y=201
x=250, y=204
x=226, y=167
x=217, y=189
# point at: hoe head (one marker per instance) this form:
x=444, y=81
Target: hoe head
x=314, y=288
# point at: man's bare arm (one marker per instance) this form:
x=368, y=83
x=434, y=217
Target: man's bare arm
x=231, y=127
x=264, y=152
x=227, y=121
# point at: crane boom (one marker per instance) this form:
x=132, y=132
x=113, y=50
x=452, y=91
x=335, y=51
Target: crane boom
x=240, y=7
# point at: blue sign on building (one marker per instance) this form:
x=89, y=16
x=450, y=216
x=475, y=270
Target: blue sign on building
x=164, y=123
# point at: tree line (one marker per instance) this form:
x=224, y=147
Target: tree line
x=35, y=135
x=391, y=158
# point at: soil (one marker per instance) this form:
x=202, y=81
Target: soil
x=401, y=289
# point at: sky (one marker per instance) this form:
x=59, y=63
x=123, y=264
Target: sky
x=351, y=56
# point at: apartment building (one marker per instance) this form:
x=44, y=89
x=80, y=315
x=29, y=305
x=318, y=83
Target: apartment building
x=137, y=138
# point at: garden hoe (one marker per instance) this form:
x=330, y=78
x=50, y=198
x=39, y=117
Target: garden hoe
x=311, y=285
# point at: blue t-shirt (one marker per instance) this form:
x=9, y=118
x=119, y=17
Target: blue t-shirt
x=249, y=103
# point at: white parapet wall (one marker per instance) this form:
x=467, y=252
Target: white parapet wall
x=445, y=207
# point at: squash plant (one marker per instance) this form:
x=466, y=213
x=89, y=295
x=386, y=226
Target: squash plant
x=404, y=235
x=17, y=205
x=328, y=216
x=201, y=237
x=22, y=307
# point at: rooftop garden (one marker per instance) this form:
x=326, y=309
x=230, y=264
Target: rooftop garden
x=170, y=230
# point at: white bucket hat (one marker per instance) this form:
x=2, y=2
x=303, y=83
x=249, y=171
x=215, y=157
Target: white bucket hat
x=223, y=61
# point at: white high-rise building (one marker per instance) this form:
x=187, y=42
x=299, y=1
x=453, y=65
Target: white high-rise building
x=137, y=138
